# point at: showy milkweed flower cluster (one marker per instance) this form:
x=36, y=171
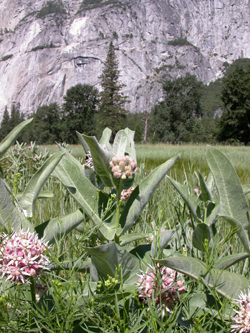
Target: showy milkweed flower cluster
x=22, y=255
x=123, y=166
x=241, y=319
x=162, y=285
x=125, y=194
x=89, y=161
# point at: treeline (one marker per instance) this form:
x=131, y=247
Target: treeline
x=189, y=112
x=53, y=123
x=10, y=120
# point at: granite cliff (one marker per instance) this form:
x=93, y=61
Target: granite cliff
x=48, y=46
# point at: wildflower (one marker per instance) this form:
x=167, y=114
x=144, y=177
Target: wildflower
x=241, y=319
x=196, y=191
x=123, y=166
x=150, y=238
x=89, y=161
x=125, y=194
x=22, y=255
x=163, y=285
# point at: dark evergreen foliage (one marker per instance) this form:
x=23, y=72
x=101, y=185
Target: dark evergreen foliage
x=5, y=124
x=234, y=124
x=177, y=117
x=46, y=126
x=111, y=112
x=9, y=122
x=79, y=108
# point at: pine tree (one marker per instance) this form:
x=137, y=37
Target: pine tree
x=111, y=112
x=5, y=124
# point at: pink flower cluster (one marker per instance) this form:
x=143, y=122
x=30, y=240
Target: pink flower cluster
x=125, y=194
x=163, y=285
x=89, y=161
x=22, y=255
x=123, y=166
x=241, y=319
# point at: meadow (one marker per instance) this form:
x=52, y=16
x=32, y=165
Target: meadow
x=92, y=282
x=193, y=157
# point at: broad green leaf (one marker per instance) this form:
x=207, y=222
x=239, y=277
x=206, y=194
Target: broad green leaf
x=45, y=194
x=120, y=143
x=83, y=143
x=90, y=174
x=230, y=260
x=210, y=182
x=124, y=143
x=227, y=284
x=142, y=251
x=59, y=226
x=101, y=159
x=106, y=259
x=246, y=188
x=233, y=205
x=141, y=195
x=201, y=234
x=106, y=135
x=212, y=213
x=205, y=193
x=186, y=196
x=71, y=173
x=12, y=136
x=42, y=195
x=34, y=186
x=11, y=216
x=126, y=239
x=78, y=265
x=130, y=149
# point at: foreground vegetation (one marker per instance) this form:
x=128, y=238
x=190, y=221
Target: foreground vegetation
x=159, y=256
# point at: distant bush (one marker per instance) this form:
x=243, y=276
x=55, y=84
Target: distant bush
x=91, y=4
x=51, y=8
x=41, y=47
x=8, y=56
x=179, y=42
x=115, y=35
x=129, y=35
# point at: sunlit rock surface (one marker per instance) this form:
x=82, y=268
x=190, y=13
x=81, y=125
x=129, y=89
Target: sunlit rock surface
x=42, y=55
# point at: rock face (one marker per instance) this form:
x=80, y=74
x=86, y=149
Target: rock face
x=47, y=47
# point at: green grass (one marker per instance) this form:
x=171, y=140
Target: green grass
x=193, y=158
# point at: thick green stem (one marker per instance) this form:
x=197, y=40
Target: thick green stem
x=119, y=189
x=33, y=291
